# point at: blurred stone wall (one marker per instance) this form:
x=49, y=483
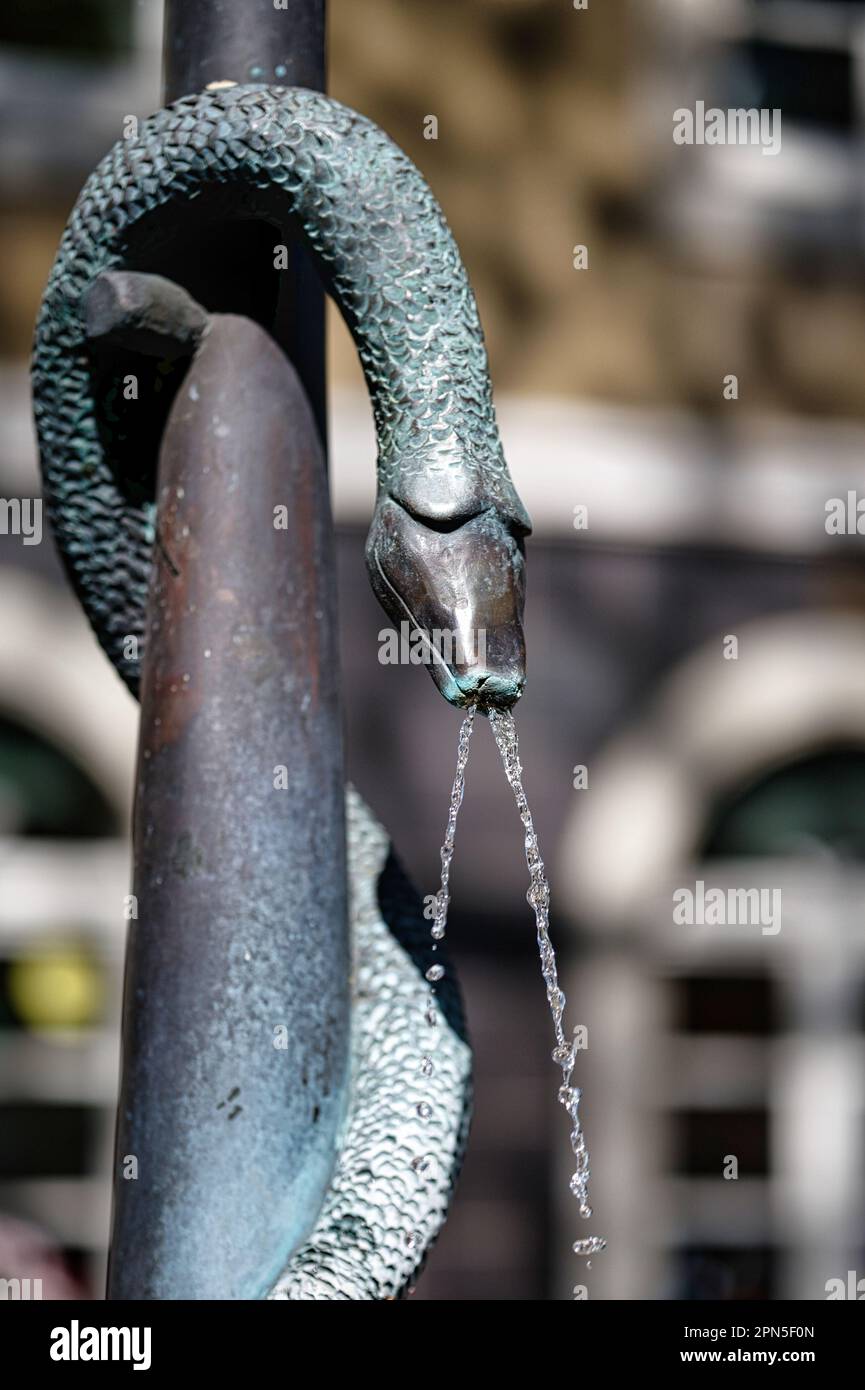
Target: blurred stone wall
x=544, y=142
x=532, y=157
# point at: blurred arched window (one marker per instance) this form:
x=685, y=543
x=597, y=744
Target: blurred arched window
x=813, y=805
x=43, y=792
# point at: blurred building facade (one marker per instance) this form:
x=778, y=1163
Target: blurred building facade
x=669, y=518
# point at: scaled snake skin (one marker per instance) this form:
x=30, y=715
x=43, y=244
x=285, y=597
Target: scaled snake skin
x=388, y=258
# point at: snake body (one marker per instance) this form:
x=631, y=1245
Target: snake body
x=388, y=258
x=383, y=1209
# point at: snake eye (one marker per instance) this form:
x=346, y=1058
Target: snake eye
x=446, y=525
x=442, y=524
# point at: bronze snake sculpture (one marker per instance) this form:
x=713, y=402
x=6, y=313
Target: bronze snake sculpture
x=444, y=549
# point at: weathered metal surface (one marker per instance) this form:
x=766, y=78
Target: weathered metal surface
x=142, y=313
x=394, y=269
x=465, y=589
x=236, y=1013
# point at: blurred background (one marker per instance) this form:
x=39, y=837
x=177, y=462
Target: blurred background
x=705, y=518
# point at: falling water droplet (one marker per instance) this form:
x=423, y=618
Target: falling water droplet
x=439, y=925
x=442, y=898
x=564, y=1053
x=592, y=1245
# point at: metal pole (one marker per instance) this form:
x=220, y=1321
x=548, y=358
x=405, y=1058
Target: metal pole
x=236, y=1013
x=235, y=41
x=241, y=41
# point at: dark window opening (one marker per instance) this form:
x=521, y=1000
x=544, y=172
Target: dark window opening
x=813, y=807
x=810, y=86
x=725, y=1004
x=46, y=1141
x=44, y=793
x=705, y=1140
x=74, y=28
x=720, y=1274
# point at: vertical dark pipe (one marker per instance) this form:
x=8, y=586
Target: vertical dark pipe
x=236, y=1016
x=252, y=41
x=243, y=41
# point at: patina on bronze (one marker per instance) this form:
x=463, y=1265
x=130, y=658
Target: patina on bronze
x=153, y=551
x=236, y=1011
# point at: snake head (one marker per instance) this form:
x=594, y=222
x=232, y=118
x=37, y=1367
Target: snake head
x=459, y=582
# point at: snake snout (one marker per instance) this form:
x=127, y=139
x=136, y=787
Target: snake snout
x=458, y=595
x=490, y=689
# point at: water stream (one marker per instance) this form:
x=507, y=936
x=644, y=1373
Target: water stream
x=565, y=1051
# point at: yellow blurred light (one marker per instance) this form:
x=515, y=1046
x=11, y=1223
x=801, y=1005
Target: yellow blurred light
x=58, y=988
